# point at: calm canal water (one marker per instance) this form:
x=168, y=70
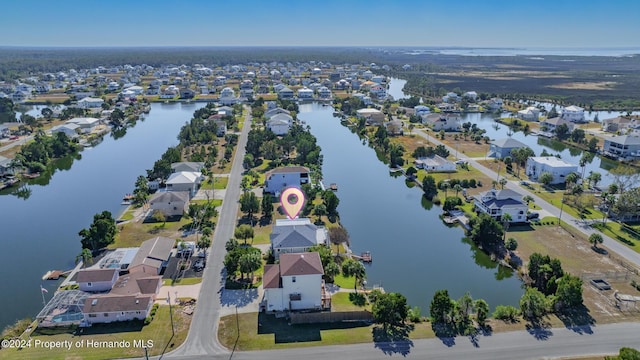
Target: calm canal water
x=413, y=252
x=40, y=233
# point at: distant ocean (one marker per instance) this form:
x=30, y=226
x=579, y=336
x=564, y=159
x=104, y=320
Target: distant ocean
x=618, y=52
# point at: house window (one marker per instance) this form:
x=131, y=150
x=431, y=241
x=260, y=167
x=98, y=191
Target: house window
x=92, y=315
x=295, y=297
x=521, y=212
x=293, y=279
x=89, y=284
x=106, y=314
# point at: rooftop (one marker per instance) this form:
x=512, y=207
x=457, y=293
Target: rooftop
x=508, y=143
x=307, y=263
x=551, y=161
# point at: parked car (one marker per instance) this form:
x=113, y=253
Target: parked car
x=14, y=137
x=533, y=215
x=460, y=162
x=199, y=265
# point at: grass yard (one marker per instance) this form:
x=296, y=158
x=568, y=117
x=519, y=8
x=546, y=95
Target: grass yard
x=134, y=233
x=217, y=183
x=472, y=173
x=182, y=281
x=346, y=301
x=127, y=215
x=615, y=231
x=500, y=168
x=159, y=331
x=467, y=147
x=344, y=282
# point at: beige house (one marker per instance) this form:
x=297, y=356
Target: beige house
x=152, y=256
x=170, y=204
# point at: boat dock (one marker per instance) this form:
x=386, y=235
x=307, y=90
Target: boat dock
x=55, y=274
x=364, y=257
x=457, y=217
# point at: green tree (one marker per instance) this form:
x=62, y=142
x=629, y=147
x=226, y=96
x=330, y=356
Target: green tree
x=457, y=188
x=248, y=263
x=543, y=272
x=506, y=313
x=578, y=136
x=320, y=210
x=593, y=144
x=338, y=236
x=545, y=178
x=330, y=201
x=441, y=308
x=204, y=241
x=511, y=244
x=482, y=311
x=552, y=113
x=244, y=232
x=158, y=216
x=7, y=111
x=625, y=354
x=502, y=182
x=390, y=309
x=117, y=117
x=326, y=257
x=533, y=304
x=331, y=271
x=505, y=220
x=569, y=292
x=354, y=268
x=141, y=191
x=411, y=172
x=249, y=204
x=595, y=239
x=101, y=233
x=47, y=113
x=267, y=206
x=520, y=156
x=486, y=231
x=429, y=187
x=451, y=202
x=86, y=257
x=570, y=180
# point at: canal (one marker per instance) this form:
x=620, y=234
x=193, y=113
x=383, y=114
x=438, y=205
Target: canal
x=40, y=232
x=413, y=252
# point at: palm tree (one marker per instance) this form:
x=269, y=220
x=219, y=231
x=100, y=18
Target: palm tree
x=445, y=187
x=457, y=188
x=505, y=219
x=595, y=239
x=353, y=268
x=528, y=199
x=86, y=257
x=503, y=182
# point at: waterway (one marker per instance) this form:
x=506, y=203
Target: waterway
x=413, y=251
x=40, y=232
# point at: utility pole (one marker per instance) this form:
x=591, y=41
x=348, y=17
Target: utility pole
x=561, y=207
x=170, y=314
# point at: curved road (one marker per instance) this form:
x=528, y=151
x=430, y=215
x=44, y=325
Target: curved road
x=202, y=341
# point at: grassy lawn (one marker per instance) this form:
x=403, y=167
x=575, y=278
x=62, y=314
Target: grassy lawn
x=218, y=183
x=616, y=231
x=133, y=234
x=554, y=197
x=500, y=168
x=182, y=281
x=467, y=147
x=127, y=215
x=344, y=282
x=158, y=331
x=472, y=173
x=344, y=301
x=214, y=202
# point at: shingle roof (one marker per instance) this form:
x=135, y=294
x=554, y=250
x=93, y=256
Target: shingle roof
x=271, y=278
x=169, y=196
x=307, y=263
x=114, y=303
x=136, y=283
x=183, y=177
x=294, y=236
x=508, y=143
x=95, y=275
x=626, y=140
x=153, y=252
x=287, y=169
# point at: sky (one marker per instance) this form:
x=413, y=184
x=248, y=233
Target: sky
x=460, y=23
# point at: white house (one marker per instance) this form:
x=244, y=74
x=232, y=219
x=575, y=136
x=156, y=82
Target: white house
x=296, y=236
x=573, y=113
x=372, y=116
x=96, y=279
x=184, y=181
x=187, y=166
x=435, y=163
x=171, y=203
x=498, y=202
x=71, y=130
x=227, y=96
x=421, y=110
x=529, y=114
x=446, y=122
x=90, y=103
x=85, y=124
x=280, y=178
x=495, y=104
x=558, y=168
x=451, y=97
x=285, y=93
x=295, y=283
x=305, y=93
x=275, y=111
x=5, y=166
x=550, y=125
x=280, y=124
x=324, y=92
x=379, y=91
x=623, y=147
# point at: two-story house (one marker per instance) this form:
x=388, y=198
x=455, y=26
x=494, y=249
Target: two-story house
x=296, y=236
x=280, y=178
x=498, y=202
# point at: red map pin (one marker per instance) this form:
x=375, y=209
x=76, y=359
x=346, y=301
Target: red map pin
x=292, y=201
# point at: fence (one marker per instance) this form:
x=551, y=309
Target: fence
x=610, y=275
x=329, y=317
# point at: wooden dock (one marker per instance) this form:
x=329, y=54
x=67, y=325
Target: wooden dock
x=55, y=274
x=364, y=257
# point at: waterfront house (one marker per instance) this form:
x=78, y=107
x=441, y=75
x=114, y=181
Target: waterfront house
x=435, y=163
x=620, y=124
x=71, y=130
x=187, y=166
x=285, y=93
x=305, y=93
x=169, y=93
x=451, y=97
x=295, y=283
x=531, y=113
x=574, y=114
x=96, y=279
x=498, y=202
x=272, y=112
x=296, y=236
x=558, y=168
x=446, y=122
x=280, y=124
x=221, y=127
x=171, y=204
x=471, y=95
x=421, y=110
x=280, y=178
x=5, y=166
x=378, y=91
x=394, y=127
x=502, y=147
x=324, y=92
x=85, y=124
x=227, y=97
x=186, y=93
x=494, y=104
x=90, y=103
x=184, y=181
x=372, y=116
x=550, y=125
x=622, y=147
x=152, y=256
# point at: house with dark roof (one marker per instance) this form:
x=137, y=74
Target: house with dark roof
x=296, y=236
x=295, y=283
x=5, y=166
x=152, y=256
x=110, y=308
x=501, y=148
x=96, y=279
x=171, y=204
x=550, y=125
x=622, y=147
x=499, y=202
x=280, y=178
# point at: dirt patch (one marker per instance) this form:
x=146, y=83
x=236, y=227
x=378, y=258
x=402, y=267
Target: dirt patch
x=467, y=147
x=600, y=85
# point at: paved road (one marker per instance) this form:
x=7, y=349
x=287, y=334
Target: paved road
x=613, y=245
x=545, y=344
x=203, y=333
